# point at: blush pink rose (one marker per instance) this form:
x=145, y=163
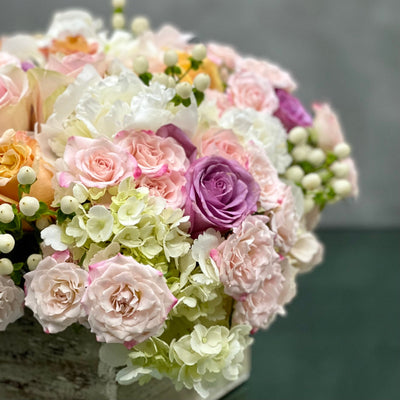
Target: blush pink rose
x=54, y=291
x=247, y=257
x=250, y=90
x=73, y=64
x=278, y=78
x=7, y=58
x=155, y=155
x=327, y=125
x=266, y=176
x=220, y=99
x=126, y=302
x=224, y=143
x=96, y=163
x=13, y=85
x=11, y=302
x=285, y=222
x=259, y=309
x=170, y=186
x=307, y=252
x=222, y=55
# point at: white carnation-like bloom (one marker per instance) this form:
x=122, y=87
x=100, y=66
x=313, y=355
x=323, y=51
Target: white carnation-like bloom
x=52, y=237
x=262, y=129
x=11, y=302
x=94, y=107
x=307, y=252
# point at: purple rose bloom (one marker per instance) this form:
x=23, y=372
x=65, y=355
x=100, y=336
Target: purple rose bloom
x=171, y=130
x=291, y=112
x=221, y=193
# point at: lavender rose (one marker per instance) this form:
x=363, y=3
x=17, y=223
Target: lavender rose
x=291, y=112
x=220, y=194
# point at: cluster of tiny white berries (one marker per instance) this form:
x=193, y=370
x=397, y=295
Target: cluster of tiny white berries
x=326, y=171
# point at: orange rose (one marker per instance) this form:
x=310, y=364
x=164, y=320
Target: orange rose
x=207, y=67
x=17, y=149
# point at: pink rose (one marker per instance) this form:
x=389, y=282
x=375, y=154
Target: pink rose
x=170, y=186
x=73, y=64
x=224, y=143
x=266, y=176
x=259, y=309
x=247, y=257
x=222, y=55
x=285, y=222
x=126, y=302
x=155, y=155
x=11, y=302
x=278, y=78
x=54, y=291
x=327, y=125
x=250, y=90
x=13, y=85
x=221, y=100
x=96, y=163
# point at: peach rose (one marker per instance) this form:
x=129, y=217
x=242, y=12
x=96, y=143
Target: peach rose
x=266, y=176
x=11, y=302
x=17, y=149
x=327, y=125
x=247, y=257
x=126, y=302
x=250, y=90
x=155, y=155
x=224, y=143
x=54, y=291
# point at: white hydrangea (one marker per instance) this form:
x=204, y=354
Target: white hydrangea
x=262, y=129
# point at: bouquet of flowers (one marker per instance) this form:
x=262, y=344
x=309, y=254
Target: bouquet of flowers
x=158, y=191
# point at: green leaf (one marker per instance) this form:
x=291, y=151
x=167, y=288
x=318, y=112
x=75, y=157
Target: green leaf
x=61, y=217
x=16, y=276
x=146, y=77
x=186, y=102
x=199, y=96
x=194, y=64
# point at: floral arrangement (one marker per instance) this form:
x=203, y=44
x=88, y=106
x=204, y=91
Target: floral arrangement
x=160, y=192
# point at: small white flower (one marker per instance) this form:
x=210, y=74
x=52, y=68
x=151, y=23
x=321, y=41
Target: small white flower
x=100, y=224
x=131, y=212
x=52, y=237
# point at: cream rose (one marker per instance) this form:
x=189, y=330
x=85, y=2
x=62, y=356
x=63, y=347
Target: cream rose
x=11, y=302
x=54, y=291
x=126, y=302
x=307, y=252
x=247, y=257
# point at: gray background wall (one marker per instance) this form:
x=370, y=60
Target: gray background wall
x=343, y=51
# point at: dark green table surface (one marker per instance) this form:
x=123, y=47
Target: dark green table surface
x=341, y=338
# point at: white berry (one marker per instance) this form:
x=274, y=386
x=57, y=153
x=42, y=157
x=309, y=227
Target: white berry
x=69, y=204
x=6, y=213
x=184, y=89
x=298, y=135
x=7, y=243
x=118, y=20
x=6, y=266
x=161, y=78
x=26, y=176
x=342, y=187
x=300, y=153
x=29, y=205
x=140, y=25
x=201, y=82
x=294, y=173
x=170, y=58
x=33, y=261
x=140, y=65
x=199, y=52
x=340, y=169
x=316, y=157
x=342, y=150
x=118, y=3
x=308, y=204
x=311, y=181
